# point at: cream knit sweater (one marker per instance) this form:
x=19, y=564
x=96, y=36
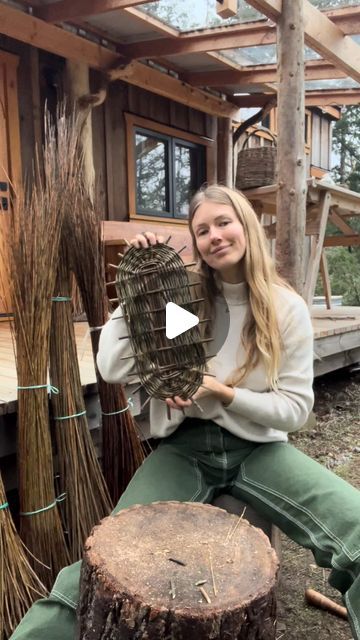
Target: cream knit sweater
x=256, y=413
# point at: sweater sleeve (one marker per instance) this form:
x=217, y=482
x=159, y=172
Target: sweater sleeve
x=288, y=407
x=112, y=347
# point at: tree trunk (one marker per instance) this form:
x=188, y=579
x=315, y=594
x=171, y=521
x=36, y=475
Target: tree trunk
x=291, y=198
x=177, y=570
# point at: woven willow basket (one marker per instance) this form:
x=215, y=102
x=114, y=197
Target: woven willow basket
x=256, y=167
x=146, y=280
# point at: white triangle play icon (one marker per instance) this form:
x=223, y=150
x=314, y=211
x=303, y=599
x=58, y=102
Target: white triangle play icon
x=178, y=320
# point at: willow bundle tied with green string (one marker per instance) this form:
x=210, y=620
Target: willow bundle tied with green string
x=32, y=254
x=19, y=584
x=80, y=475
x=122, y=449
x=146, y=280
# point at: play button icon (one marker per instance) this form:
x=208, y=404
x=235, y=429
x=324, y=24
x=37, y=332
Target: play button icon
x=178, y=320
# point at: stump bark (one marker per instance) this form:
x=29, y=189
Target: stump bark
x=142, y=571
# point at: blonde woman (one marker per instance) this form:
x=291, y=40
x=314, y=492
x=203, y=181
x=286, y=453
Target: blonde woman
x=259, y=391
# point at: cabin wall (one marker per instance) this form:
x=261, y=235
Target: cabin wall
x=109, y=129
x=321, y=146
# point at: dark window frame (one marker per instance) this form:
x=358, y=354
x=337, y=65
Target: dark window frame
x=137, y=124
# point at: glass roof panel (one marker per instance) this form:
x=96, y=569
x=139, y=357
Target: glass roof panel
x=266, y=54
x=340, y=83
x=334, y=4
x=188, y=15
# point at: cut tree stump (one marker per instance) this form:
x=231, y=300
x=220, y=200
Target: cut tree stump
x=177, y=571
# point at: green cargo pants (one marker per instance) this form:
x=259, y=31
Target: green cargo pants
x=310, y=504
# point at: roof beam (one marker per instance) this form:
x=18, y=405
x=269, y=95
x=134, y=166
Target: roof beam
x=236, y=36
x=169, y=87
x=314, y=70
x=26, y=28
x=326, y=98
x=323, y=98
x=75, y=9
x=320, y=34
x=21, y=26
x=243, y=35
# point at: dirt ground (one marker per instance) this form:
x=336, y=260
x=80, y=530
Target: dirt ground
x=335, y=442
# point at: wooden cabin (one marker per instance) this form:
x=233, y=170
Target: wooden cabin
x=169, y=100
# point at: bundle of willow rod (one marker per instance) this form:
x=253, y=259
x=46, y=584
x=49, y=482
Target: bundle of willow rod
x=146, y=280
x=33, y=247
x=19, y=584
x=80, y=475
x=122, y=448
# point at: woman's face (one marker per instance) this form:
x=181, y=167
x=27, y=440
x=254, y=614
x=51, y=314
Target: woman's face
x=220, y=239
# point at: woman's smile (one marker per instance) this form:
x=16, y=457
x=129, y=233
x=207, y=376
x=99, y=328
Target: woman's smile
x=220, y=239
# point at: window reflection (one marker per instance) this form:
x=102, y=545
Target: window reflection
x=186, y=177
x=151, y=184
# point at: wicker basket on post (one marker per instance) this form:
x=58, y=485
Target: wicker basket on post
x=256, y=167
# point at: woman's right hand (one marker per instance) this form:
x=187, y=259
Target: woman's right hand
x=146, y=239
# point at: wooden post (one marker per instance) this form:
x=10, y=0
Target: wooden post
x=291, y=196
x=78, y=87
x=225, y=152
x=317, y=244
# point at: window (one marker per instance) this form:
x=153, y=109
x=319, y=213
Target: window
x=164, y=169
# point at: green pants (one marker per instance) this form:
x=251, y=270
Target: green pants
x=200, y=460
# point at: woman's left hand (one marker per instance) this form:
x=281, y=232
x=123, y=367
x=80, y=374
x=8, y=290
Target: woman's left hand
x=210, y=386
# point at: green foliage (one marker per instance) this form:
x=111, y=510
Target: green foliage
x=344, y=271
x=346, y=145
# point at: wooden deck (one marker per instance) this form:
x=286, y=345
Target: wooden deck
x=337, y=344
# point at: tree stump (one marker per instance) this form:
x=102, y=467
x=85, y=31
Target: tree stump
x=177, y=571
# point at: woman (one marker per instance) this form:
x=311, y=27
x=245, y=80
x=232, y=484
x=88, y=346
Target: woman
x=259, y=390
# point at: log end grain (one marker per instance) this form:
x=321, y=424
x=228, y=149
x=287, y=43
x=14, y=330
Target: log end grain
x=142, y=567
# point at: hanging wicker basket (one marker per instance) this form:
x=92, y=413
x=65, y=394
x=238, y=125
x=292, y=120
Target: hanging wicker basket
x=256, y=167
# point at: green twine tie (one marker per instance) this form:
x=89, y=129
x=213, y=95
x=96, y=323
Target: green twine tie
x=4, y=506
x=115, y=413
x=60, y=498
x=61, y=299
x=49, y=387
x=74, y=415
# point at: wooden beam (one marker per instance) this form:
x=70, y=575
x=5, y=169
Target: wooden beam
x=74, y=9
x=341, y=224
x=342, y=241
x=314, y=70
x=26, y=28
x=240, y=35
x=291, y=195
x=328, y=97
x=152, y=22
x=165, y=85
x=233, y=36
x=321, y=34
x=317, y=244
x=325, y=279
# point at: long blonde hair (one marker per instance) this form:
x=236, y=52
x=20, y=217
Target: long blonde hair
x=260, y=336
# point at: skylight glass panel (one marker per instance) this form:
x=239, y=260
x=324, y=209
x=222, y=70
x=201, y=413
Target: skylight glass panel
x=250, y=56
x=334, y=4
x=190, y=15
x=340, y=83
